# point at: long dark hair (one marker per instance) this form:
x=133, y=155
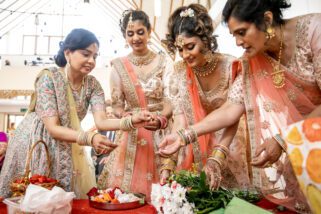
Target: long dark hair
x=136, y=15
x=253, y=11
x=77, y=39
x=198, y=25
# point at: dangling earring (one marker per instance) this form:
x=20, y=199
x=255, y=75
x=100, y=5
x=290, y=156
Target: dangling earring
x=269, y=33
x=126, y=45
x=149, y=42
x=208, y=56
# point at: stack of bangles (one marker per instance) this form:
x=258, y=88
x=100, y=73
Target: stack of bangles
x=126, y=124
x=85, y=138
x=167, y=164
x=219, y=155
x=187, y=136
x=162, y=119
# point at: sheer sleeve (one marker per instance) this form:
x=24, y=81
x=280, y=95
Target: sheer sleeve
x=46, y=104
x=116, y=89
x=235, y=93
x=173, y=91
x=168, y=72
x=316, y=47
x=97, y=98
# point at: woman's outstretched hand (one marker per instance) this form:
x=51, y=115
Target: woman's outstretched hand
x=169, y=145
x=102, y=144
x=213, y=174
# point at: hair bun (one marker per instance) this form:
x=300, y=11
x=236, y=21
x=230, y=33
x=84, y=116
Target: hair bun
x=61, y=45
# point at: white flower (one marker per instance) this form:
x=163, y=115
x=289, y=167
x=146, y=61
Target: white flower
x=166, y=191
x=170, y=199
x=187, y=13
x=179, y=194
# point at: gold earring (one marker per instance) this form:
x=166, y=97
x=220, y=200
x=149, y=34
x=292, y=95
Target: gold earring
x=126, y=45
x=270, y=32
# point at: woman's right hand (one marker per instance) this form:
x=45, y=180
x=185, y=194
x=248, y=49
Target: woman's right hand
x=213, y=174
x=102, y=144
x=169, y=145
x=139, y=119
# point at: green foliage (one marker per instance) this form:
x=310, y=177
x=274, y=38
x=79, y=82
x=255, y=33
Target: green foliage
x=204, y=199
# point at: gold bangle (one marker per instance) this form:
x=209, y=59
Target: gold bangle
x=167, y=164
x=219, y=153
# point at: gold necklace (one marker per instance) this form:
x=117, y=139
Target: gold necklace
x=207, y=69
x=142, y=60
x=79, y=87
x=278, y=76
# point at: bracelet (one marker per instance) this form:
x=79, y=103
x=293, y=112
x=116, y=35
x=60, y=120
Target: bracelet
x=188, y=136
x=167, y=164
x=125, y=124
x=90, y=138
x=218, y=153
x=83, y=138
x=163, y=121
x=280, y=141
x=222, y=148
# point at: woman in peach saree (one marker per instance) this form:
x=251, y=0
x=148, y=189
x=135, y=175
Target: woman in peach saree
x=277, y=83
x=138, y=82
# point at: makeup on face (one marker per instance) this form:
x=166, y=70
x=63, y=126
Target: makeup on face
x=190, y=49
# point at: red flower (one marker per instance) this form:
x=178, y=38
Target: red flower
x=92, y=192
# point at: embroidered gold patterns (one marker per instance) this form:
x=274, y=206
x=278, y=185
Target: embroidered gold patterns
x=142, y=60
x=207, y=69
x=278, y=77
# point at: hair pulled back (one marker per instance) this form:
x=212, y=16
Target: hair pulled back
x=137, y=15
x=252, y=11
x=77, y=39
x=198, y=25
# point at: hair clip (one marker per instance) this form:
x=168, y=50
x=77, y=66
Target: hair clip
x=130, y=24
x=187, y=13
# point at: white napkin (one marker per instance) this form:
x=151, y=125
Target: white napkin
x=41, y=200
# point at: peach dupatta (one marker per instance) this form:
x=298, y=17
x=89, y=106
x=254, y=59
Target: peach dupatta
x=135, y=166
x=268, y=111
x=197, y=152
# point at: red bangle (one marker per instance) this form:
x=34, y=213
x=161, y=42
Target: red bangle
x=163, y=121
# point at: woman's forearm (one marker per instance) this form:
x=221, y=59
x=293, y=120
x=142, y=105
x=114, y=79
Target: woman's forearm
x=59, y=132
x=228, y=135
x=227, y=115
